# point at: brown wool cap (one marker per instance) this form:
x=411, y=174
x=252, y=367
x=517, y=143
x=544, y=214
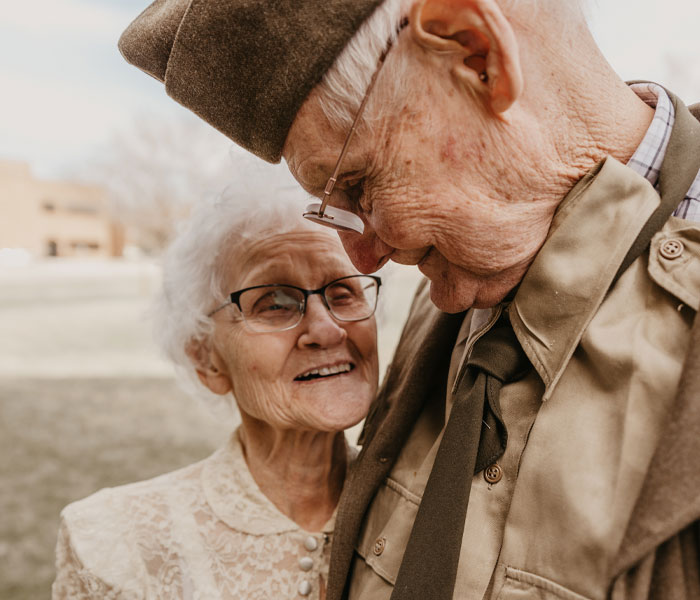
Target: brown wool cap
x=244, y=66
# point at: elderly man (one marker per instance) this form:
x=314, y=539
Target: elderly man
x=538, y=432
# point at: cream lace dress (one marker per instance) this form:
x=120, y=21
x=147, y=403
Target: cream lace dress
x=203, y=532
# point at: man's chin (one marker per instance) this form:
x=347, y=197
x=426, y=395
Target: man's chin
x=447, y=298
x=455, y=298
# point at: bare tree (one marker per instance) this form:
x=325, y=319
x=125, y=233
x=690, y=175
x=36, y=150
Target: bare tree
x=155, y=170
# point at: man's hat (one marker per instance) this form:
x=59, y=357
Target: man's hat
x=244, y=66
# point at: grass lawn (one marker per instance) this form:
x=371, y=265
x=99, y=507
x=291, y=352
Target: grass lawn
x=62, y=439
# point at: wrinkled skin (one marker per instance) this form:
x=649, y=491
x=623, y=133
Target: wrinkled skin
x=461, y=225
x=462, y=177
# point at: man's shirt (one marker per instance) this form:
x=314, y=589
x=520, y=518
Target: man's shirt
x=649, y=156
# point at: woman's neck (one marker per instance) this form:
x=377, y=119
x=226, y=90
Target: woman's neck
x=300, y=472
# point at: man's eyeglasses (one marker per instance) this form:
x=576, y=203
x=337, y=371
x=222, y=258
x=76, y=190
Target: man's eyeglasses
x=331, y=216
x=273, y=307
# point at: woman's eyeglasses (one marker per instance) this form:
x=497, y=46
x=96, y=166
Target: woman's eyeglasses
x=274, y=307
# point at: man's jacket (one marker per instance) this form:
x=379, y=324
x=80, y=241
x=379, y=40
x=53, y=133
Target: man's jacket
x=599, y=489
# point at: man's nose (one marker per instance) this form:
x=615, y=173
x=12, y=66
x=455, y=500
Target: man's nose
x=366, y=251
x=320, y=329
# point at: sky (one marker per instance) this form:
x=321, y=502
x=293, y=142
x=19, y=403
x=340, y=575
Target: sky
x=65, y=90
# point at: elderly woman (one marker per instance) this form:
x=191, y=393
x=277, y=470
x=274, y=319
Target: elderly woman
x=262, y=308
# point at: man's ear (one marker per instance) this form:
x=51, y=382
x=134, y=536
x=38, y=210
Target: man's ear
x=478, y=44
x=210, y=368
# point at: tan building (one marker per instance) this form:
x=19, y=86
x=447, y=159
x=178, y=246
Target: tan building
x=55, y=218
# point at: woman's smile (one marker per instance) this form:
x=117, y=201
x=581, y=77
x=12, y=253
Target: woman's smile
x=326, y=371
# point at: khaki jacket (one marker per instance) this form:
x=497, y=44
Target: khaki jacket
x=601, y=485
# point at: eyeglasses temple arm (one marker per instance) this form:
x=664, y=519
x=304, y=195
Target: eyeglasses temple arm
x=217, y=309
x=334, y=177
x=331, y=182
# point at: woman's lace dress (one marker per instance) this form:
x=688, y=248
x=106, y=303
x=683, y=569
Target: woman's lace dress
x=203, y=532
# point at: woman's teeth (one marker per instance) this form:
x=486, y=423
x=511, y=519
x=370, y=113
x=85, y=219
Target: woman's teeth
x=325, y=372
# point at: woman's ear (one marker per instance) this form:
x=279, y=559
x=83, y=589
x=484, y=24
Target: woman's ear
x=478, y=46
x=211, y=370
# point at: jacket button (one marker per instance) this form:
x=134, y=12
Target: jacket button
x=494, y=473
x=672, y=248
x=379, y=546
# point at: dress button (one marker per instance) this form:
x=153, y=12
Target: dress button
x=304, y=588
x=494, y=473
x=305, y=563
x=672, y=248
x=379, y=546
x=310, y=543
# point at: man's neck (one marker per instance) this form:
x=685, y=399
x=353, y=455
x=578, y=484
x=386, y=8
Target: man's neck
x=589, y=113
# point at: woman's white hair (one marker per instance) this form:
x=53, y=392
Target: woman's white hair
x=194, y=267
x=344, y=84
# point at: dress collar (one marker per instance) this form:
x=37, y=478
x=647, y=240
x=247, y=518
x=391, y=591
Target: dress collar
x=236, y=499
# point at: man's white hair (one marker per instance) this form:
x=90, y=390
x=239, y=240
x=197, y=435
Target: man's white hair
x=344, y=84
x=196, y=265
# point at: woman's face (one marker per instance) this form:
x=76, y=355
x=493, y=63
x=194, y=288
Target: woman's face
x=265, y=369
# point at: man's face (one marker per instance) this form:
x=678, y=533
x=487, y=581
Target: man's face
x=437, y=185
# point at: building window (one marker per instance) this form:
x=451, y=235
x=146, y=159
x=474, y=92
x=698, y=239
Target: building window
x=81, y=209
x=85, y=246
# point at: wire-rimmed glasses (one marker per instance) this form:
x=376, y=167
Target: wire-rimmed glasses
x=276, y=307
x=332, y=216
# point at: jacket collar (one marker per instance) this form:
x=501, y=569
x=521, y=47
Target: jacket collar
x=571, y=274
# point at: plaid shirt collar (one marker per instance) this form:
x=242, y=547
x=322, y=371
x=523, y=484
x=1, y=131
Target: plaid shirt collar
x=648, y=157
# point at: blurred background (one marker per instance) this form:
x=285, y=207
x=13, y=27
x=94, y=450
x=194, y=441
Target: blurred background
x=97, y=166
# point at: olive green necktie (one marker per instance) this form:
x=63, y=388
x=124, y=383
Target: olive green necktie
x=474, y=438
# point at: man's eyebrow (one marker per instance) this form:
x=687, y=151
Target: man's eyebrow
x=313, y=178
x=304, y=182
x=352, y=174
x=315, y=189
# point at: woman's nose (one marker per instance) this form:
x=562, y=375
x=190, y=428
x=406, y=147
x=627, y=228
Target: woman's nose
x=319, y=327
x=366, y=251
